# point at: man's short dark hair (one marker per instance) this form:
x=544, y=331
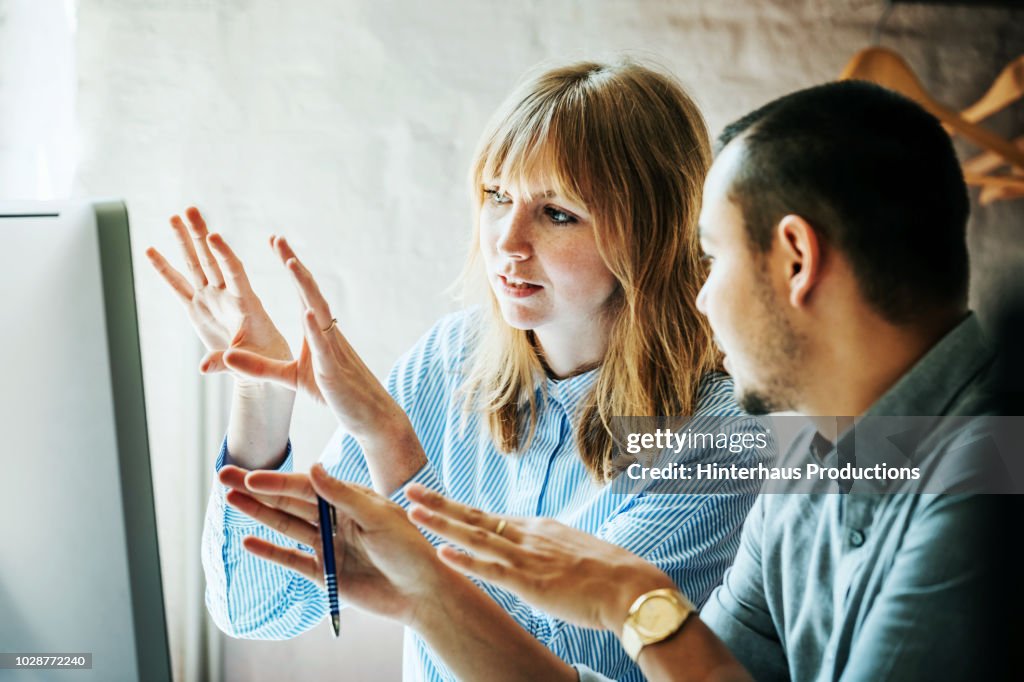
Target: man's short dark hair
x=877, y=178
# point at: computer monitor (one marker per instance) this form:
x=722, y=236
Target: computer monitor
x=79, y=564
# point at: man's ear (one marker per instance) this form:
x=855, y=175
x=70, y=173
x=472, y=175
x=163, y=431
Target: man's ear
x=801, y=256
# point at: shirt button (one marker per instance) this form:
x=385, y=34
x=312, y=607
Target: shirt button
x=856, y=538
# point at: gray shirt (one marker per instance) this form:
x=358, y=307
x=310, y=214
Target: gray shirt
x=869, y=587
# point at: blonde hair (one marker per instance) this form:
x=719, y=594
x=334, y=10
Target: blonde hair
x=628, y=143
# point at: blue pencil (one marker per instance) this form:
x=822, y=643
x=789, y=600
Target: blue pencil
x=327, y=525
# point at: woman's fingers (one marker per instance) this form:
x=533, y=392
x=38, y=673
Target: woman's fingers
x=235, y=478
x=315, y=336
x=360, y=504
x=174, y=278
x=281, y=483
x=232, y=476
x=199, y=233
x=283, y=372
x=236, y=281
x=195, y=271
x=281, y=248
x=286, y=524
x=439, y=510
x=285, y=253
x=295, y=559
x=309, y=292
x=213, y=362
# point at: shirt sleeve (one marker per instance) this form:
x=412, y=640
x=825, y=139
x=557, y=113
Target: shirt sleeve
x=250, y=598
x=738, y=612
x=246, y=596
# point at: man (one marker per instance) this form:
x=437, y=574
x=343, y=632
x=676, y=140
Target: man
x=834, y=222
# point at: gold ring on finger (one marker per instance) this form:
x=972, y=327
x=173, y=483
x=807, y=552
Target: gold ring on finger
x=332, y=325
x=501, y=527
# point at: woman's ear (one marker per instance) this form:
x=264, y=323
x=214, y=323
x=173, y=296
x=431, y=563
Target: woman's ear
x=800, y=255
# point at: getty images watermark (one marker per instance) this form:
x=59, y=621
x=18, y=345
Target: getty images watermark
x=789, y=454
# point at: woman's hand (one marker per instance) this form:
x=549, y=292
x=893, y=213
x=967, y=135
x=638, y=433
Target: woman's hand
x=224, y=310
x=329, y=369
x=568, y=573
x=384, y=563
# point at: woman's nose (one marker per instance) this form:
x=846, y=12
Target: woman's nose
x=702, y=299
x=514, y=239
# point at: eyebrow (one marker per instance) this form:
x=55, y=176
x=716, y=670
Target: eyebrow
x=546, y=194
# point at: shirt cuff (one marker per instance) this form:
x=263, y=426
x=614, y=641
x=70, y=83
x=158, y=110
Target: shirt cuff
x=585, y=674
x=233, y=517
x=426, y=477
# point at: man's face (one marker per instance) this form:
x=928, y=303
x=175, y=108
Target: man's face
x=746, y=306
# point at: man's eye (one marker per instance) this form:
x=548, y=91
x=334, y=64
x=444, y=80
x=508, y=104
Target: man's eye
x=559, y=217
x=496, y=196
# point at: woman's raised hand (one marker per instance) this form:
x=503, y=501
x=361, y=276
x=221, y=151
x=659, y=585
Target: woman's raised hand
x=328, y=369
x=224, y=310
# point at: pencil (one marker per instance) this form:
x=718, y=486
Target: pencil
x=327, y=530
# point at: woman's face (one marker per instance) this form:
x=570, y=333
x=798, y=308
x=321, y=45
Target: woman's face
x=542, y=262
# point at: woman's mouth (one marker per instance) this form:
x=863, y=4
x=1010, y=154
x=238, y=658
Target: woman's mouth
x=517, y=288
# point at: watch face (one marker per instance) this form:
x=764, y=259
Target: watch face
x=658, y=616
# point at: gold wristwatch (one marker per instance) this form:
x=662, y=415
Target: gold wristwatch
x=653, y=617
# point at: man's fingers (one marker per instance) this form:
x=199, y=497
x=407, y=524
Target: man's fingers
x=286, y=524
x=199, y=232
x=174, y=278
x=234, y=477
x=490, y=571
x=195, y=271
x=482, y=541
x=236, y=281
x=283, y=372
x=295, y=559
x=456, y=511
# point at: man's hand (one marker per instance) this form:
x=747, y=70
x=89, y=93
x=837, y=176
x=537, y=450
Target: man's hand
x=563, y=571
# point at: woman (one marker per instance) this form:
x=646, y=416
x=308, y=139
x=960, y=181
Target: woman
x=587, y=184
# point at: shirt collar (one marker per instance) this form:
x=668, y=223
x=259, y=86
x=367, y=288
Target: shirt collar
x=931, y=385
x=570, y=392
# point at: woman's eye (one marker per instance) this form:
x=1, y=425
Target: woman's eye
x=496, y=196
x=559, y=217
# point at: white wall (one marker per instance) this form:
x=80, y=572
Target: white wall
x=348, y=125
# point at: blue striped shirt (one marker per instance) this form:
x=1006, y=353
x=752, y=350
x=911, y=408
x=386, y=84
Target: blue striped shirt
x=693, y=537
